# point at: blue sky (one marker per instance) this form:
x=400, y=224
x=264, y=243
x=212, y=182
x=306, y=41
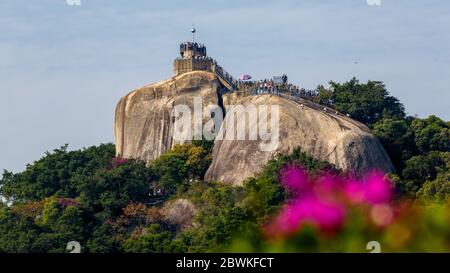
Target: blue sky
x=63, y=68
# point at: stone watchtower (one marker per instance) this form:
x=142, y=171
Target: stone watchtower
x=193, y=57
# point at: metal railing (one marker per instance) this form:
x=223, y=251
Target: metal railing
x=225, y=75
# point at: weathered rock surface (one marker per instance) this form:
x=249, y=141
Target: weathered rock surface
x=144, y=129
x=179, y=212
x=326, y=136
x=143, y=124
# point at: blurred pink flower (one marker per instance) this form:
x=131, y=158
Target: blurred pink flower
x=354, y=190
x=326, y=216
x=328, y=186
x=374, y=189
x=382, y=215
x=378, y=189
x=295, y=179
x=321, y=204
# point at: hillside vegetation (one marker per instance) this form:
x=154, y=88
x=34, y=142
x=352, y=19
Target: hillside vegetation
x=111, y=204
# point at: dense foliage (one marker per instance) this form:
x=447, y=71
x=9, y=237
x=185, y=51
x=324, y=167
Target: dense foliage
x=368, y=103
x=418, y=147
x=109, y=204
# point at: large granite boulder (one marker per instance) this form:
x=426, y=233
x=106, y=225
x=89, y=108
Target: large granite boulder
x=317, y=131
x=143, y=124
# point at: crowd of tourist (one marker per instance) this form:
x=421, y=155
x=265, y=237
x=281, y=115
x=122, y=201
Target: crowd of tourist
x=225, y=75
x=194, y=47
x=275, y=87
x=282, y=88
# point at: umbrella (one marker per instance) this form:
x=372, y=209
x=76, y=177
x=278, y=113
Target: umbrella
x=245, y=77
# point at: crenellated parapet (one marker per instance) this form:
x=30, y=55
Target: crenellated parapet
x=194, y=58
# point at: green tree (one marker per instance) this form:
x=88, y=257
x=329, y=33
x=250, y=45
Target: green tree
x=53, y=173
x=367, y=103
x=153, y=240
x=109, y=190
x=70, y=196
x=16, y=233
x=423, y=168
x=324, y=96
x=182, y=163
x=431, y=134
x=437, y=190
x=397, y=138
x=103, y=240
